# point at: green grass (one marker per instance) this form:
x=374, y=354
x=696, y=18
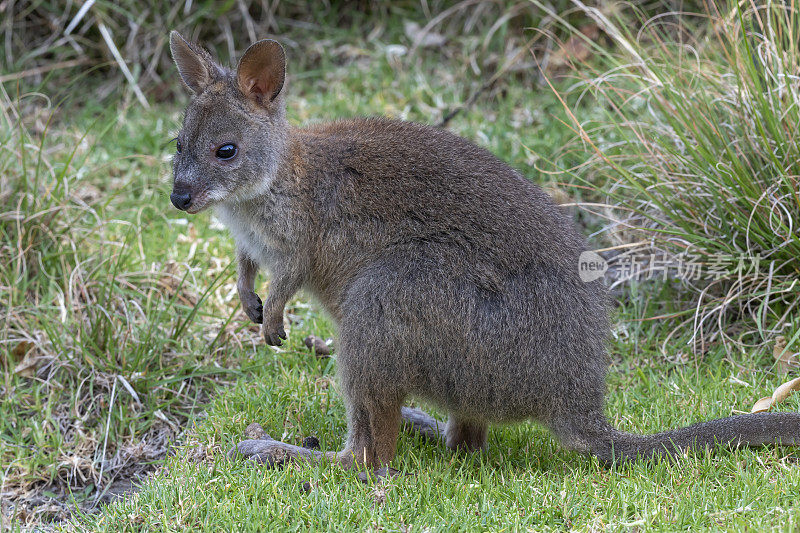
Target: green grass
x=118, y=351
x=143, y=350
x=524, y=481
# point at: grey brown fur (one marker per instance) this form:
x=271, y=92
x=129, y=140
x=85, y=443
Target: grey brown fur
x=450, y=276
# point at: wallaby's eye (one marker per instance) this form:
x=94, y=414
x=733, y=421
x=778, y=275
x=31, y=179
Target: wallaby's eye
x=178, y=147
x=226, y=151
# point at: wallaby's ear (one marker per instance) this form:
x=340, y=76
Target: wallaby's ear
x=194, y=64
x=261, y=71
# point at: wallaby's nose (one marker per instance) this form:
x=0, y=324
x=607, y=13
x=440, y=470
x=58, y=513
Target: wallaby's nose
x=181, y=200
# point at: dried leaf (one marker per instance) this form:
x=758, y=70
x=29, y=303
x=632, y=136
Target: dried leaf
x=21, y=349
x=29, y=364
x=559, y=195
x=574, y=50
x=172, y=280
x=781, y=393
x=422, y=38
x=785, y=359
x=763, y=405
x=785, y=390
x=130, y=389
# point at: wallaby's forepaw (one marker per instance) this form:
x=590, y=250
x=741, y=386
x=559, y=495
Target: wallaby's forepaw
x=274, y=332
x=274, y=338
x=253, y=308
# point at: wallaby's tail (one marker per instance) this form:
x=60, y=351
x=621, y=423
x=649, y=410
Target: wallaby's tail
x=613, y=446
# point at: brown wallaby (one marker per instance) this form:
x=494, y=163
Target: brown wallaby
x=450, y=276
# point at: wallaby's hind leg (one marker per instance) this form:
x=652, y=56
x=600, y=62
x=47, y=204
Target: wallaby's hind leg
x=466, y=435
x=371, y=439
x=372, y=428
x=457, y=434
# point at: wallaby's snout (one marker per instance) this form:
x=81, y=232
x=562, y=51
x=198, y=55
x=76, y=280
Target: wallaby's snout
x=191, y=194
x=181, y=200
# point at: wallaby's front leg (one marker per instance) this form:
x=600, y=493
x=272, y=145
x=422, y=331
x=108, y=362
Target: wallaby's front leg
x=246, y=287
x=282, y=287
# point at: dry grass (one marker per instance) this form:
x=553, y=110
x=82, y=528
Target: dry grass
x=104, y=349
x=699, y=162
x=109, y=45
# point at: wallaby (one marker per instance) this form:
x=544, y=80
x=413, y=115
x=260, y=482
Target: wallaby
x=450, y=277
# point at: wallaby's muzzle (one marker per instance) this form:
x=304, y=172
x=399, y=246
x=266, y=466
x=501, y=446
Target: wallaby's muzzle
x=181, y=200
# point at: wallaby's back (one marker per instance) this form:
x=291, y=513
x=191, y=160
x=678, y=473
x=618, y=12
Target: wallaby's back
x=399, y=187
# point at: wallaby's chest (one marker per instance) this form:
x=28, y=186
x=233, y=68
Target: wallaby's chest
x=254, y=234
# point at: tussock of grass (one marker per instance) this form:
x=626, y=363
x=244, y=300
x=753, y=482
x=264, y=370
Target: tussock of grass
x=699, y=150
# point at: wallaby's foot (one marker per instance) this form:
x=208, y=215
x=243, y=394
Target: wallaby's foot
x=260, y=448
x=252, y=306
x=275, y=453
x=263, y=449
x=273, y=331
